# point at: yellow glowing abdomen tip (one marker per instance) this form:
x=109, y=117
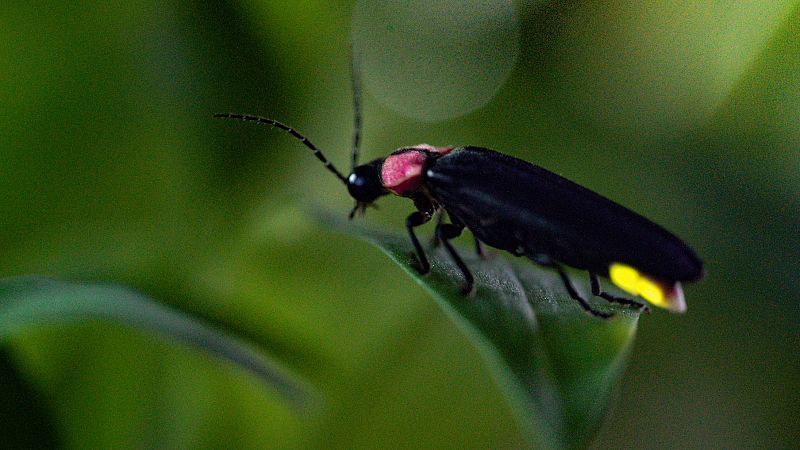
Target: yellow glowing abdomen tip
x=625, y=277
x=651, y=292
x=633, y=282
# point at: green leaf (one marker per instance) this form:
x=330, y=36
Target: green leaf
x=557, y=365
x=27, y=302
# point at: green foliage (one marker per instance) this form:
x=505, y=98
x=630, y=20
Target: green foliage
x=557, y=365
x=33, y=302
x=113, y=170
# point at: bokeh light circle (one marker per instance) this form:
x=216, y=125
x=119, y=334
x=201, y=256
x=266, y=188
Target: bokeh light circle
x=435, y=60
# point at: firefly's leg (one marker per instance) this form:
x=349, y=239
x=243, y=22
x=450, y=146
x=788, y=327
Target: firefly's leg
x=598, y=291
x=439, y=221
x=445, y=232
x=574, y=294
x=479, y=249
x=416, y=219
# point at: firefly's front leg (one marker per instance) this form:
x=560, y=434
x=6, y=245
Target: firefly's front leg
x=416, y=219
x=425, y=211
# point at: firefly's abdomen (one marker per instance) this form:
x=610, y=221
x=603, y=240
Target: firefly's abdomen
x=516, y=206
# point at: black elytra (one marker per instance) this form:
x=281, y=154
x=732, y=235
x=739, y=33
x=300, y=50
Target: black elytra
x=512, y=205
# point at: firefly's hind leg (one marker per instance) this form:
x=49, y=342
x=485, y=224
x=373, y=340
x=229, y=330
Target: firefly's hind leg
x=598, y=291
x=574, y=294
x=445, y=232
x=416, y=219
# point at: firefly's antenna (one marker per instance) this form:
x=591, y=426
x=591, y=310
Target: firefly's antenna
x=355, y=80
x=304, y=140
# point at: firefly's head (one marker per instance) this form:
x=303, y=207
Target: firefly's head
x=364, y=184
x=400, y=174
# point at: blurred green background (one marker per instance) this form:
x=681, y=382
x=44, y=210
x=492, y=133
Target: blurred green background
x=113, y=170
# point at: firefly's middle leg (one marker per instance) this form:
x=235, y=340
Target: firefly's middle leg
x=445, y=232
x=479, y=249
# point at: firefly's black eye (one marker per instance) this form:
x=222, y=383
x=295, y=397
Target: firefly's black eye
x=364, y=184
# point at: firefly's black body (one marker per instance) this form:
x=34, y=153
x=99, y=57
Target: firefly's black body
x=516, y=206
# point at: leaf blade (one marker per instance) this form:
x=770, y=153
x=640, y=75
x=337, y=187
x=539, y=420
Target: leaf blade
x=31, y=301
x=535, y=339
